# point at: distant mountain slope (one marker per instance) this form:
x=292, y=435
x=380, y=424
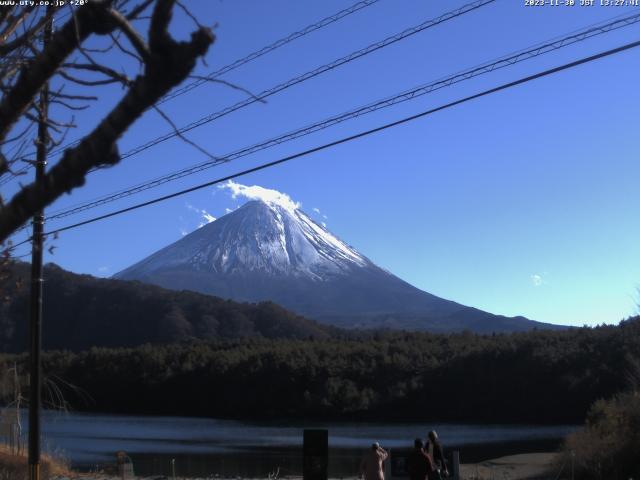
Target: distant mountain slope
x=81, y=311
x=273, y=251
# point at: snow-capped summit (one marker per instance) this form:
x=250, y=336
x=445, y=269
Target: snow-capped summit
x=269, y=249
x=270, y=238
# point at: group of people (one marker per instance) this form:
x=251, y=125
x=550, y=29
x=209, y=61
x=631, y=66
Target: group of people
x=425, y=462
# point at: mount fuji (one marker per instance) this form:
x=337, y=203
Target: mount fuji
x=270, y=250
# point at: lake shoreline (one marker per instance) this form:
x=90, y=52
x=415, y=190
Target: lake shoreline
x=204, y=448
x=523, y=466
x=343, y=462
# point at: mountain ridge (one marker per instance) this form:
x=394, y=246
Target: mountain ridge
x=270, y=251
x=81, y=311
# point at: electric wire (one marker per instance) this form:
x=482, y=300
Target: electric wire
x=269, y=48
x=312, y=74
x=350, y=138
x=286, y=85
x=15, y=245
x=302, y=78
x=237, y=63
x=487, y=67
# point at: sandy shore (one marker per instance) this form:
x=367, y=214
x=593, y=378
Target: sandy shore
x=513, y=467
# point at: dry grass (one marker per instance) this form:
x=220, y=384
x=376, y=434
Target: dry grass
x=15, y=467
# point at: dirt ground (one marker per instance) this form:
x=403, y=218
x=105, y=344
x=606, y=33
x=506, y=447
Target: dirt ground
x=513, y=467
x=526, y=466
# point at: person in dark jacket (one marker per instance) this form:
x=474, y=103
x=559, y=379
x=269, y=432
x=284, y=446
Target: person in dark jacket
x=419, y=463
x=434, y=449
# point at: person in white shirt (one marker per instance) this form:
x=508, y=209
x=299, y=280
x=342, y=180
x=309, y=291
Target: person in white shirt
x=371, y=467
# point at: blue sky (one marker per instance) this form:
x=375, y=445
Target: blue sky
x=521, y=203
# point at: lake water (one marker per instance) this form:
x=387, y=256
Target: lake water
x=205, y=447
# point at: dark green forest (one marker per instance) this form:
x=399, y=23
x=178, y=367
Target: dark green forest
x=81, y=311
x=538, y=376
x=127, y=347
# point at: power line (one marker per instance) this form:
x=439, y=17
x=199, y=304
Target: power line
x=288, y=84
x=26, y=240
x=269, y=48
x=487, y=67
x=365, y=133
x=304, y=77
x=238, y=63
x=8, y=177
x=312, y=74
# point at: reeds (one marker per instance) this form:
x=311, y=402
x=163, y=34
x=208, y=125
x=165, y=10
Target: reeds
x=15, y=466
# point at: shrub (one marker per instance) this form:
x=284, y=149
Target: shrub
x=607, y=447
x=15, y=467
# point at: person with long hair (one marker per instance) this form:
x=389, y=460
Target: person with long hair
x=419, y=463
x=434, y=449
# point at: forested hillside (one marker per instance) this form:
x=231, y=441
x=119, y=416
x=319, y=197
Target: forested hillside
x=81, y=311
x=192, y=354
x=539, y=376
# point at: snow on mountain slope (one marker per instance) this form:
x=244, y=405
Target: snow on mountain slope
x=259, y=237
x=271, y=250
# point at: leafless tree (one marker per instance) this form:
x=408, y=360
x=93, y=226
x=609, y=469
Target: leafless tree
x=161, y=63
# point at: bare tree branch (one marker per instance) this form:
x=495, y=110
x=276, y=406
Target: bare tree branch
x=89, y=19
x=63, y=137
x=169, y=63
x=6, y=12
x=189, y=14
x=50, y=123
x=74, y=97
x=181, y=136
x=109, y=72
x=134, y=37
x=68, y=105
x=139, y=9
x=230, y=85
x=87, y=83
x=13, y=23
x=18, y=136
x=124, y=50
x=26, y=37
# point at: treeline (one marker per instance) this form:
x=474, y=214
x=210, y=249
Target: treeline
x=538, y=376
x=81, y=311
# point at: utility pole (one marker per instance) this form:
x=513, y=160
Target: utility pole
x=35, y=323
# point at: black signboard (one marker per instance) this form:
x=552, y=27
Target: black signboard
x=315, y=454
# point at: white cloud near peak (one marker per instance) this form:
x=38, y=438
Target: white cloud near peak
x=255, y=192
x=322, y=215
x=536, y=280
x=205, y=217
x=208, y=217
